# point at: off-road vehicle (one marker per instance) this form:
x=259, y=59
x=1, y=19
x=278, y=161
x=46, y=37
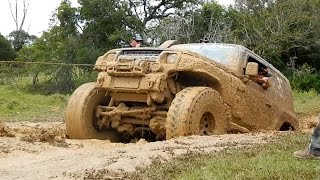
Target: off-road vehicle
x=179, y=90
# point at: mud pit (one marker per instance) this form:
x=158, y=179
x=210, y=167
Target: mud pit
x=41, y=151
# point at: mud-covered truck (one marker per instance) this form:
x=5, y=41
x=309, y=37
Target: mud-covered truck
x=179, y=90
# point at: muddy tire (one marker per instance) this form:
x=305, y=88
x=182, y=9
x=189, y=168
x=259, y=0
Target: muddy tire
x=197, y=111
x=80, y=114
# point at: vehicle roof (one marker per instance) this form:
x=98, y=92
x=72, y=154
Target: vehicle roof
x=240, y=47
x=244, y=49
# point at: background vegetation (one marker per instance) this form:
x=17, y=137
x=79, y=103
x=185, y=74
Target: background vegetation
x=284, y=32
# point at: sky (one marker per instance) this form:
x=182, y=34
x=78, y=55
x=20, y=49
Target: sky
x=38, y=16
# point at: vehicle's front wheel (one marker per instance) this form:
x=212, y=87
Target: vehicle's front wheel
x=80, y=114
x=197, y=111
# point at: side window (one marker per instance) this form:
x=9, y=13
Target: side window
x=260, y=66
x=258, y=72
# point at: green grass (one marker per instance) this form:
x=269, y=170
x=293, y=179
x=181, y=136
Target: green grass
x=306, y=103
x=19, y=105
x=271, y=161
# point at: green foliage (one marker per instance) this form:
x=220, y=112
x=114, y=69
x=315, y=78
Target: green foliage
x=305, y=79
x=215, y=22
x=103, y=27
x=280, y=30
x=6, y=52
x=270, y=161
x=19, y=37
x=61, y=44
x=307, y=82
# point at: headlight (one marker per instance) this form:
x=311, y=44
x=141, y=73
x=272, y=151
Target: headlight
x=98, y=63
x=103, y=61
x=111, y=57
x=172, y=58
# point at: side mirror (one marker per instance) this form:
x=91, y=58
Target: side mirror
x=252, y=69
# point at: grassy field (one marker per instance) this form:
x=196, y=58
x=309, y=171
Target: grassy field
x=17, y=105
x=306, y=103
x=271, y=161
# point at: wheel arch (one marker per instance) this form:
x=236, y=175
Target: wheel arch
x=287, y=122
x=197, y=78
x=287, y=126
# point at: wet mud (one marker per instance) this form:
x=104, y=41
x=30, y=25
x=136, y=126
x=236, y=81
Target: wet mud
x=43, y=151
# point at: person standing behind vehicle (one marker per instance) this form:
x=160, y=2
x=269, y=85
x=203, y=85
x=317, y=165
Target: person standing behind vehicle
x=136, y=41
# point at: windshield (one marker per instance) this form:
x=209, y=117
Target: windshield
x=217, y=52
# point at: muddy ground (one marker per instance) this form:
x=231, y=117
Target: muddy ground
x=41, y=151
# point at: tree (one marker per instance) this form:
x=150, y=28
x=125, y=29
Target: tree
x=209, y=23
x=59, y=44
x=109, y=22
x=279, y=30
x=214, y=22
x=102, y=26
x=147, y=10
x=19, y=37
x=6, y=52
x=14, y=13
x=144, y=16
x=254, y=5
x=175, y=27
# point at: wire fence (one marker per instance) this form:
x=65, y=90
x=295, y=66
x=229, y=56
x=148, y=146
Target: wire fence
x=45, y=77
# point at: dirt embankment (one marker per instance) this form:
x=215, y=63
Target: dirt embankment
x=41, y=151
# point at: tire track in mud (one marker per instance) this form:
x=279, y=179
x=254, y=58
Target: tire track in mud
x=41, y=151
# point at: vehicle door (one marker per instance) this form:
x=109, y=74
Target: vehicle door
x=260, y=100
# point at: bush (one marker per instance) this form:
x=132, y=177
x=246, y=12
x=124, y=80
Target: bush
x=45, y=79
x=306, y=79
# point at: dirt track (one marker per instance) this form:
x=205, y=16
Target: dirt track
x=40, y=151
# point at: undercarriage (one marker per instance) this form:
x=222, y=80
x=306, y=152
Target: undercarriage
x=131, y=118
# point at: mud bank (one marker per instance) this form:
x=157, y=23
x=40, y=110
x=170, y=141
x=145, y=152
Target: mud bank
x=42, y=151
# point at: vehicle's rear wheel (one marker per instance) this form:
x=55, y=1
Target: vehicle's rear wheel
x=80, y=114
x=197, y=110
